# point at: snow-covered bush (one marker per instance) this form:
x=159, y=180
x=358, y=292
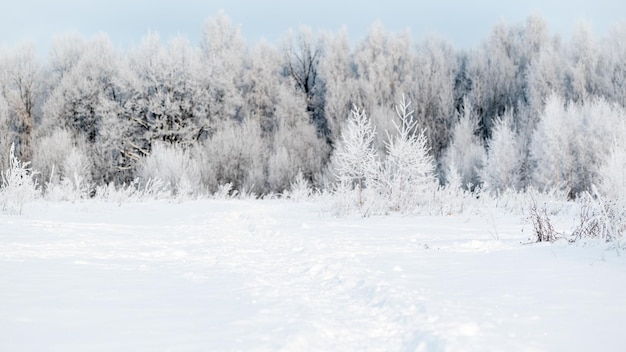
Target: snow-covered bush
x=76, y=169
x=600, y=218
x=64, y=165
x=225, y=191
x=117, y=194
x=173, y=165
x=152, y=189
x=74, y=179
x=452, y=198
x=542, y=225
x=300, y=189
x=234, y=154
x=340, y=200
x=18, y=185
x=50, y=152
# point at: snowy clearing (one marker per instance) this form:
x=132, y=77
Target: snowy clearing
x=277, y=275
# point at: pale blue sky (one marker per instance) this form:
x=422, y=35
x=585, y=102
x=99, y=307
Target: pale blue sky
x=463, y=23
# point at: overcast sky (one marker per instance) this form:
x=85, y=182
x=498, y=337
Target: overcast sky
x=463, y=23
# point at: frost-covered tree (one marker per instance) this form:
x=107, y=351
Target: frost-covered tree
x=612, y=185
x=355, y=160
x=74, y=100
x=408, y=173
x=302, y=53
x=502, y=168
x=498, y=70
x=5, y=141
x=168, y=102
x=65, y=53
x=492, y=69
x=465, y=154
x=261, y=85
x=87, y=101
x=612, y=182
x=337, y=77
x=571, y=143
x=551, y=146
x=612, y=71
x=545, y=77
x=291, y=155
x=581, y=76
x=21, y=87
x=273, y=100
x=383, y=64
x=432, y=91
x=222, y=48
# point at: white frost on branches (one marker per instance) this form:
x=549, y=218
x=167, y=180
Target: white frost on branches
x=409, y=168
x=399, y=183
x=18, y=185
x=355, y=158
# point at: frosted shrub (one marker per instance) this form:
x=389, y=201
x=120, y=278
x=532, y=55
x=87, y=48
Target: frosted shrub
x=173, y=165
x=453, y=198
x=18, y=185
x=542, y=225
x=117, y=194
x=50, y=153
x=154, y=189
x=343, y=199
x=300, y=189
x=74, y=179
x=600, y=218
x=235, y=154
x=76, y=169
x=225, y=191
x=65, y=166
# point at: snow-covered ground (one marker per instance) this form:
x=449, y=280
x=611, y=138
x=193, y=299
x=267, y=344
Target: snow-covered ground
x=277, y=275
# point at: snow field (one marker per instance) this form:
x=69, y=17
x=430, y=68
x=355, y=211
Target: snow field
x=277, y=275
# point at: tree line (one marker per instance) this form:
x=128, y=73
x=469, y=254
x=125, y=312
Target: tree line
x=523, y=108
